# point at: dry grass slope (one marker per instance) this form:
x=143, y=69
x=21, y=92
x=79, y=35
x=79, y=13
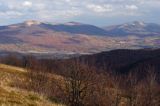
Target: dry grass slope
x=11, y=96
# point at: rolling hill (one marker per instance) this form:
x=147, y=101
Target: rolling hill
x=137, y=28
x=125, y=61
x=76, y=28
x=118, y=72
x=76, y=38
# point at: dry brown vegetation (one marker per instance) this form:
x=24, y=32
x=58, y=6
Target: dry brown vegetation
x=74, y=83
x=12, y=95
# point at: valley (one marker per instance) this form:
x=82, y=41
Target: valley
x=38, y=37
x=79, y=53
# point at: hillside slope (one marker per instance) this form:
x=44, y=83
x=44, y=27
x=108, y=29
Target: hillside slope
x=124, y=61
x=12, y=96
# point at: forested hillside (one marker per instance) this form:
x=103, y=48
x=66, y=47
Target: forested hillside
x=115, y=78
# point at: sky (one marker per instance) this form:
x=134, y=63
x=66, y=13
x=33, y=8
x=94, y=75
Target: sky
x=96, y=12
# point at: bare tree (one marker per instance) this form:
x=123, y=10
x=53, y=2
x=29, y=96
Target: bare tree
x=78, y=82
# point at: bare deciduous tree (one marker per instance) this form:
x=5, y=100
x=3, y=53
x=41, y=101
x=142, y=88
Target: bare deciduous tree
x=78, y=82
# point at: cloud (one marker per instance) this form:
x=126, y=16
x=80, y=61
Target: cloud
x=27, y=4
x=55, y=14
x=11, y=14
x=53, y=10
x=100, y=8
x=131, y=7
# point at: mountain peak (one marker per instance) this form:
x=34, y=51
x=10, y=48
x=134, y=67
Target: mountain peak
x=141, y=23
x=73, y=23
x=133, y=24
x=32, y=22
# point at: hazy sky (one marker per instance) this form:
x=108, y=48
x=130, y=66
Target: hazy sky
x=97, y=12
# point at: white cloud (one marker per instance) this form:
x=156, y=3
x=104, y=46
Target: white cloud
x=100, y=8
x=27, y=4
x=131, y=7
x=56, y=14
x=51, y=10
x=68, y=0
x=11, y=14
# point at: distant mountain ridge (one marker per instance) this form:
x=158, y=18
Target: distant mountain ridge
x=137, y=28
x=77, y=28
x=75, y=37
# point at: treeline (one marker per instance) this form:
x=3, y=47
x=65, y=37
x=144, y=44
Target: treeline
x=116, y=61
x=89, y=82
